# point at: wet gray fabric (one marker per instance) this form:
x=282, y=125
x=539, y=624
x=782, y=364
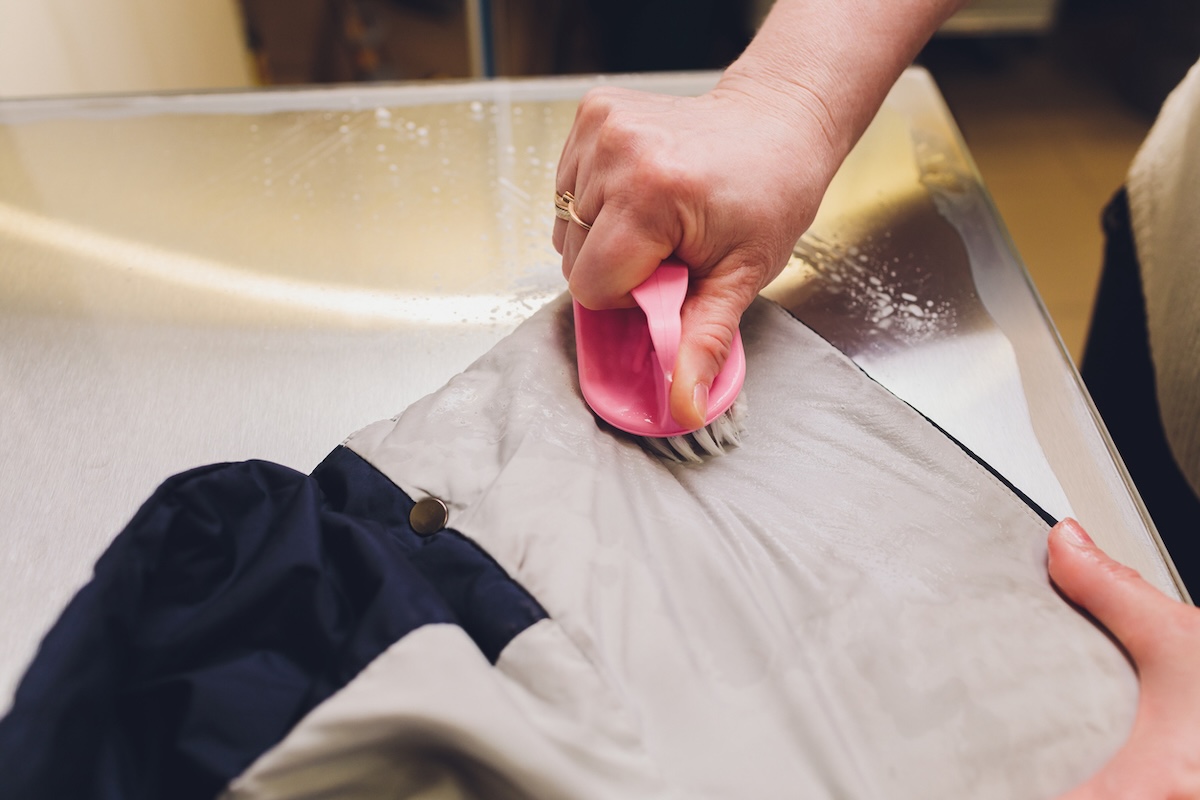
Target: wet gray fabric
x=845, y=606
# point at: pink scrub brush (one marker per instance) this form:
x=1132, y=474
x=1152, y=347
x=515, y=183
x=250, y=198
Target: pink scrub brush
x=626, y=356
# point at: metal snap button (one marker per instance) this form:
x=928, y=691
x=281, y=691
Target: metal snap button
x=428, y=516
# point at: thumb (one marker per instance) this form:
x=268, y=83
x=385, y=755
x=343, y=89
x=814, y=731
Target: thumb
x=1160, y=758
x=709, y=319
x=1114, y=594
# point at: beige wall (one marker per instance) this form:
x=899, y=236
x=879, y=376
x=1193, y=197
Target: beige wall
x=56, y=47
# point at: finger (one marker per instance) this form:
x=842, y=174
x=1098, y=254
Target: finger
x=564, y=181
x=568, y=164
x=559, y=237
x=1113, y=593
x=1160, y=759
x=574, y=238
x=588, y=199
x=711, y=316
x=618, y=254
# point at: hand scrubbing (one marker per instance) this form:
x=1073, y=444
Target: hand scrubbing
x=626, y=357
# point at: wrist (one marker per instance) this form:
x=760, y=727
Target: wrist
x=827, y=65
x=798, y=107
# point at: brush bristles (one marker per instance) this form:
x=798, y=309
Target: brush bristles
x=712, y=440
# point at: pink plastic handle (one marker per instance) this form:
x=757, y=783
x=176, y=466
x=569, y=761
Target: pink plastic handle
x=621, y=382
x=661, y=299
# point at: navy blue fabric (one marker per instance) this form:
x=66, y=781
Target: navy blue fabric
x=237, y=599
x=1119, y=373
x=485, y=601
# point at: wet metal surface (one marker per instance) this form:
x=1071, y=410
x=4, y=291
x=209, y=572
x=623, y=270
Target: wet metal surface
x=890, y=284
x=204, y=278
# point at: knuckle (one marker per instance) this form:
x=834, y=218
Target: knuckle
x=618, y=134
x=599, y=95
x=597, y=104
x=745, y=274
x=587, y=295
x=763, y=264
x=653, y=179
x=659, y=171
x=711, y=338
x=643, y=158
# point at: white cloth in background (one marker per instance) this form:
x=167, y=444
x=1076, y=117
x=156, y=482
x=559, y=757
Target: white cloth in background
x=847, y=605
x=1164, y=205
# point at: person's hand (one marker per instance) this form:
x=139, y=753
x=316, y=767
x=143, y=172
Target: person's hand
x=1161, y=759
x=727, y=182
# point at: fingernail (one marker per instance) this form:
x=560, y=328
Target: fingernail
x=1074, y=533
x=700, y=401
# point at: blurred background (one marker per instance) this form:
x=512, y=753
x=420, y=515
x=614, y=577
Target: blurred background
x=1053, y=96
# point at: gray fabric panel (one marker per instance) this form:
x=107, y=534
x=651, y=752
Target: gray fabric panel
x=845, y=606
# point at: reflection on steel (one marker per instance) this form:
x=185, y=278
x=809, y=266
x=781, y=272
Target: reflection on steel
x=194, y=273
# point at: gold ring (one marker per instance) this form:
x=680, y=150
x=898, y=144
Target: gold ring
x=560, y=206
x=564, y=208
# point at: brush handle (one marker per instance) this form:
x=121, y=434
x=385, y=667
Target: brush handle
x=661, y=299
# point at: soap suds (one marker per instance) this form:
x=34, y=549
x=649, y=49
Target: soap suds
x=872, y=282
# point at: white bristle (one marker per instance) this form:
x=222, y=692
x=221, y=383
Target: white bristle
x=711, y=440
